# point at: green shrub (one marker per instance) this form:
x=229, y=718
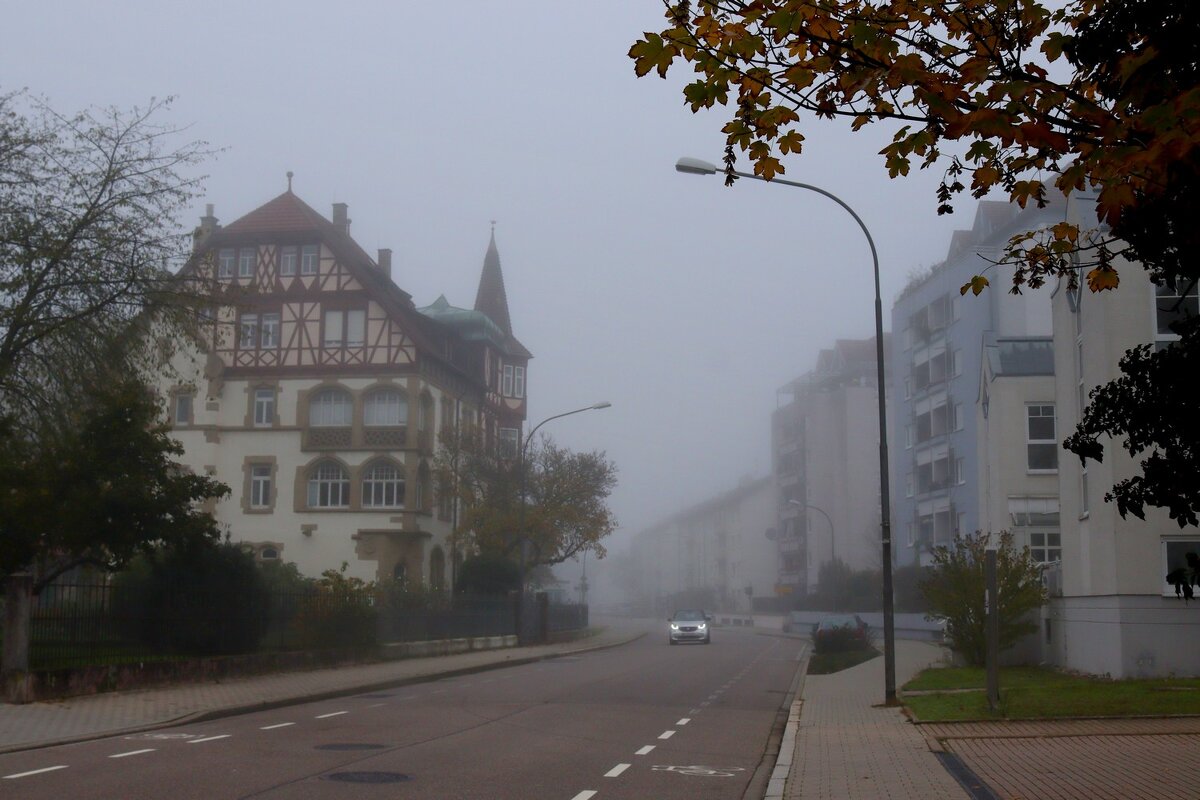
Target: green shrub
x=339, y=614
x=486, y=575
x=840, y=640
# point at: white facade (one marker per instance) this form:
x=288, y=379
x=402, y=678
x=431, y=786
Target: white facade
x=1116, y=614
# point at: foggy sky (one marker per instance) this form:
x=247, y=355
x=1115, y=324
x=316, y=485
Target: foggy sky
x=684, y=303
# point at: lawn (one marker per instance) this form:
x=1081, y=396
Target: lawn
x=1032, y=692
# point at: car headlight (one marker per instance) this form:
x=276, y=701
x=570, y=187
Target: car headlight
x=702, y=626
x=674, y=627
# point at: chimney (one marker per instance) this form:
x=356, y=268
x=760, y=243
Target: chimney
x=385, y=261
x=208, y=224
x=340, y=220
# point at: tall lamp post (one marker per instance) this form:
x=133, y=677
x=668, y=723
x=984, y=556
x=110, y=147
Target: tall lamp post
x=521, y=512
x=694, y=166
x=832, y=536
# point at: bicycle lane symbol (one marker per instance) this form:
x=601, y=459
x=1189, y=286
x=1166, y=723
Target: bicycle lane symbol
x=700, y=770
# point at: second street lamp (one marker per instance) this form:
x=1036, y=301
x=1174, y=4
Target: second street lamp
x=695, y=166
x=524, y=540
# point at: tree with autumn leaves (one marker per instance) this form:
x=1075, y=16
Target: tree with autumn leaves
x=1023, y=97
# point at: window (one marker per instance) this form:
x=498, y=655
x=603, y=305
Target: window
x=1045, y=546
x=328, y=486
x=960, y=471
x=260, y=486
x=330, y=408
x=1175, y=556
x=264, y=407
x=269, y=554
x=309, y=259
x=246, y=262
x=506, y=387
x=960, y=417
x=508, y=442
x=385, y=407
x=383, y=486
x=333, y=328
x=1174, y=305
x=908, y=436
x=225, y=259
x=270, y=330
x=249, y=331
x=356, y=328
x=910, y=483
x=1041, y=443
x=182, y=411
x=907, y=388
x=519, y=382
x=288, y=256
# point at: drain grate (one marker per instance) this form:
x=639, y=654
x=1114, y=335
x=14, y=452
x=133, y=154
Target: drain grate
x=367, y=777
x=350, y=746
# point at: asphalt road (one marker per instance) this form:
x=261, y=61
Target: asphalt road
x=637, y=721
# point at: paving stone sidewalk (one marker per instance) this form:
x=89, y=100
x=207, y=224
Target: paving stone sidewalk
x=79, y=718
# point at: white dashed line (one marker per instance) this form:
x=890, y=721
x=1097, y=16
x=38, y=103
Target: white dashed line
x=586, y=794
x=376, y=705
x=210, y=738
x=694, y=711
x=644, y=750
x=276, y=725
x=331, y=714
x=617, y=770
x=704, y=704
x=683, y=721
x=51, y=769
x=133, y=753
x=666, y=734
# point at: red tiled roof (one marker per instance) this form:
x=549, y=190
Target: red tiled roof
x=286, y=213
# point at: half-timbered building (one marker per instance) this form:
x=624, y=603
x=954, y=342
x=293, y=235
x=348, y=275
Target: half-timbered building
x=318, y=390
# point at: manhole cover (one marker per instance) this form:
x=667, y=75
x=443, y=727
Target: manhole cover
x=375, y=696
x=367, y=777
x=350, y=746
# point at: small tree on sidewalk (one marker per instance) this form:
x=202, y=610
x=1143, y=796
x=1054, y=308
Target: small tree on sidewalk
x=954, y=590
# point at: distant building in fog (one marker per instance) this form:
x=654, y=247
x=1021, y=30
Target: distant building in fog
x=713, y=555
x=825, y=447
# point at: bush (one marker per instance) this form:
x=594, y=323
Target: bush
x=485, y=575
x=197, y=600
x=841, y=640
x=339, y=614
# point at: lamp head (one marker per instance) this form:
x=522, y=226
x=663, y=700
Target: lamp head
x=694, y=166
x=602, y=404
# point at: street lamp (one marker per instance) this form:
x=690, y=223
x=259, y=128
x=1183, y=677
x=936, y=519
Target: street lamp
x=832, y=538
x=694, y=166
x=521, y=512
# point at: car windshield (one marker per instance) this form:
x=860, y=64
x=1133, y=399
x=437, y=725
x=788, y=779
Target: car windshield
x=689, y=616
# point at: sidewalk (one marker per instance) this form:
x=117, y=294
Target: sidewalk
x=846, y=746
x=78, y=718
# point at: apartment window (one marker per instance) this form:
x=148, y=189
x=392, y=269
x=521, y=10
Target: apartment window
x=356, y=328
x=330, y=408
x=225, y=261
x=960, y=471
x=385, y=407
x=260, y=486
x=182, y=408
x=1041, y=443
x=270, y=330
x=907, y=388
x=518, y=382
x=334, y=320
x=1045, y=546
x=309, y=259
x=264, y=407
x=288, y=256
x=1175, y=556
x=1174, y=305
x=956, y=363
x=383, y=486
x=909, y=484
x=506, y=388
x=960, y=417
x=328, y=486
x=345, y=327
x=246, y=262
x=1083, y=493
x=509, y=438
x=249, y=331
x=908, y=436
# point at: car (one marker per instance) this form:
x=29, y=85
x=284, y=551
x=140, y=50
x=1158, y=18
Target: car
x=827, y=626
x=793, y=622
x=689, y=625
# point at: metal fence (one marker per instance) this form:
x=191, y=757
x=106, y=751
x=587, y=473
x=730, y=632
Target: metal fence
x=106, y=623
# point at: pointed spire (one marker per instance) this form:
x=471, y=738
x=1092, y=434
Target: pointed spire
x=491, y=299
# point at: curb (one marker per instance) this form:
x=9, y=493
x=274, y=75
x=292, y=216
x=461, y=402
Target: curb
x=777, y=783
x=313, y=697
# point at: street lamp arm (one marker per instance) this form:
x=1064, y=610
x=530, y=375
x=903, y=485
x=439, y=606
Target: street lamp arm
x=529, y=437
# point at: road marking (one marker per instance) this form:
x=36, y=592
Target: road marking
x=210, y=738
x=50, y=769
x=694, y=711
x=276, y=725
x=133, y=753
x=704, y=704
x=683, y=721
x=376, y=705
x=617, y=770
x=586, y=794
x=666, y=734
x=331, y=714
x=644, y=750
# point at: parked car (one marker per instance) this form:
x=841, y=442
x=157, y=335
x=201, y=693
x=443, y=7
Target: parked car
x=827, y=625
x=689, y=625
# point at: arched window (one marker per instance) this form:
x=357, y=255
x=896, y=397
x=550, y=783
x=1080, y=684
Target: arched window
x=400, y=573
x=385, y=407
x=383, y=486
x=328, y=486
x=437, y=569
x=269, y=554
x=331, y=408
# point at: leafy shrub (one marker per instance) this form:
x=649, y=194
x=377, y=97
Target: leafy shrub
x=339, y=614
x=841, y=640
x=487, y=575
